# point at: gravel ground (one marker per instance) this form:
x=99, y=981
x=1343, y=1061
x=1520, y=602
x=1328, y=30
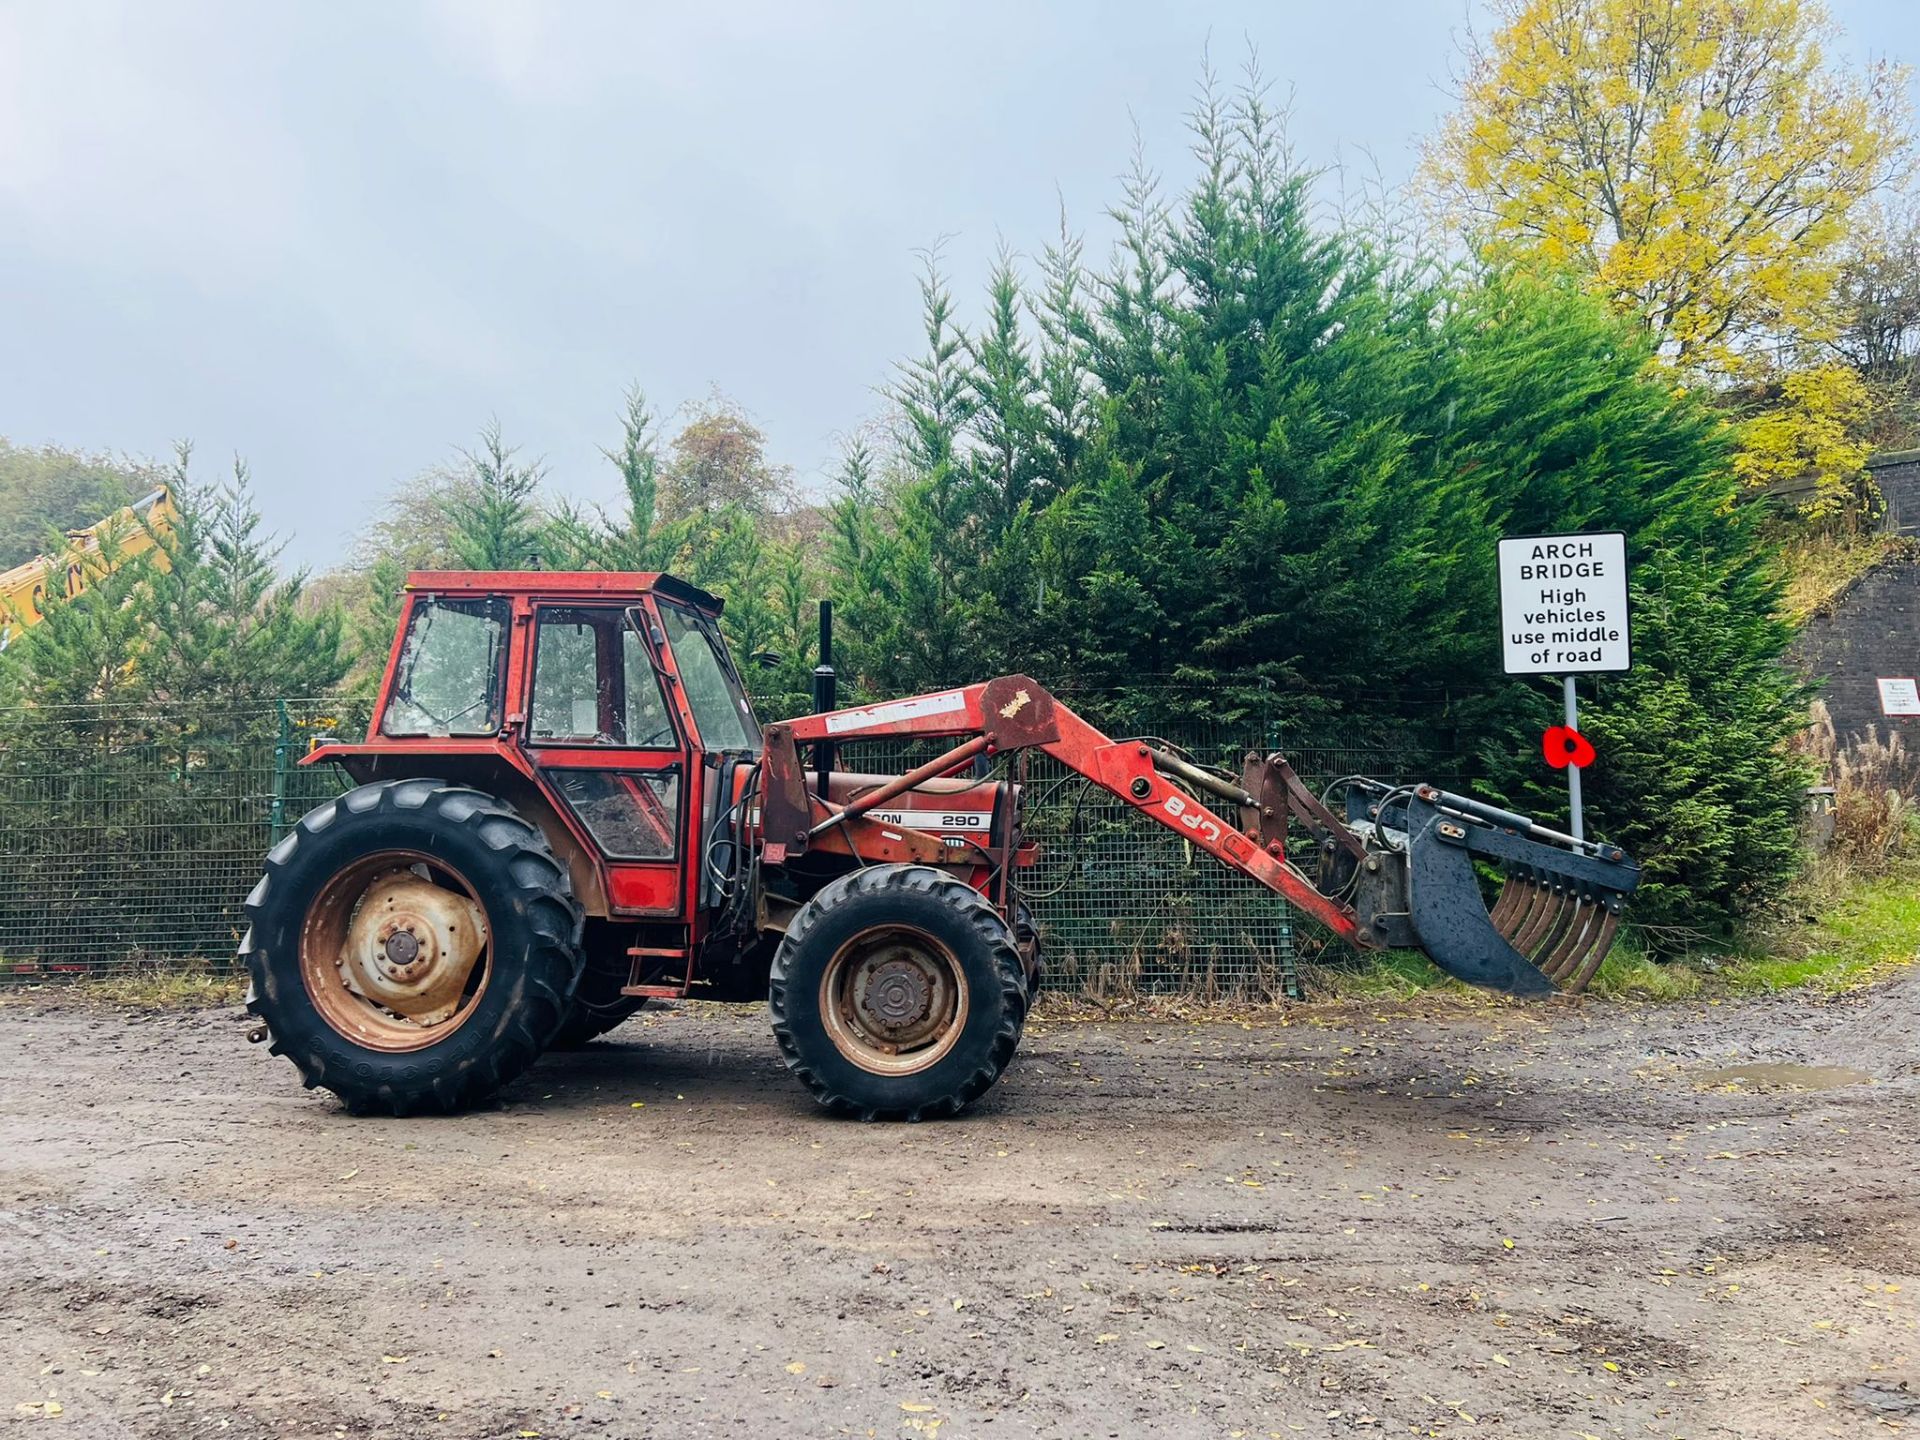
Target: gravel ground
x=1445, y=1218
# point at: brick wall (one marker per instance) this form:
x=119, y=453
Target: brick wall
x=1897, y=473
x=1873, y=629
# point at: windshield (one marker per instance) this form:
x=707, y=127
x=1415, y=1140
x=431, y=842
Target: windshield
x=713, y=690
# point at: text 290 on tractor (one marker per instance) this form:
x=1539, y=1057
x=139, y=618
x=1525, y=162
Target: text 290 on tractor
x=564, y=806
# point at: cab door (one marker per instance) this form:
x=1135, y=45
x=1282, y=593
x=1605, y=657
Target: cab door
x=606, y=745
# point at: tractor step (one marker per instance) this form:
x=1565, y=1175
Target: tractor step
x=638, y=957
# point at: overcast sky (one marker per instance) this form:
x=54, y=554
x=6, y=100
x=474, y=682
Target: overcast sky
x=337, y=238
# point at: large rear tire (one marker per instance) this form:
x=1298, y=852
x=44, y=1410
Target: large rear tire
x=897, y=993
x=412, y=945
x=598, y=1006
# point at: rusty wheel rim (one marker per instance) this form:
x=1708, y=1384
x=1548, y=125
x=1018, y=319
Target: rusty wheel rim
x=395, y=951
x=894, y=1000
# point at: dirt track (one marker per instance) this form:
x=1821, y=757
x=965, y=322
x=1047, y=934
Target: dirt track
x=1531, y=1222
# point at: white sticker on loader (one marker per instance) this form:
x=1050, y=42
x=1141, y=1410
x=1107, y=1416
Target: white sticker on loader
x=897, y=710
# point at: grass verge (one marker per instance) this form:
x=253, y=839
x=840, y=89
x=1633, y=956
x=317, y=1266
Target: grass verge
x=1843, y=936
x=187, y=987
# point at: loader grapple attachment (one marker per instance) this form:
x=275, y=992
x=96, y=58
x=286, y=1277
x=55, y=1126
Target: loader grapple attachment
x=1557, y=913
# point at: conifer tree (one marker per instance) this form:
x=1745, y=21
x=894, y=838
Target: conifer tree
x=494, y=519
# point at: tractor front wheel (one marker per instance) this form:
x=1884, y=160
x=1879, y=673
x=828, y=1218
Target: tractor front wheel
x=412, y=945
x=898, y=993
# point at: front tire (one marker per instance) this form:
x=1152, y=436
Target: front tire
x=412, y=945
x=897, y=993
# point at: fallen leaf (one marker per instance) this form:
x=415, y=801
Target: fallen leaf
x=798, y=1367
x=914, y=1407
x=393, y=1359
x=1103, y=1339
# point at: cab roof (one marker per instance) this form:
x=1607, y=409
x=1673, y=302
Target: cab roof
x=610, y=585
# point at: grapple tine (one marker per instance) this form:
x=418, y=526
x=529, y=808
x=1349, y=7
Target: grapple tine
x=1559, y=961
x=1544, y=917
x=1566, y=919
x=1530, y=899
x=1566, y=922
x=1512, y=893
x=1597, y=948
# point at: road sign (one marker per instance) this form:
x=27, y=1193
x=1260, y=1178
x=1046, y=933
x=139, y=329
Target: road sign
x=1563, y=604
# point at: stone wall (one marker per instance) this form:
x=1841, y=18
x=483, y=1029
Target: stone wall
x=1873, y=628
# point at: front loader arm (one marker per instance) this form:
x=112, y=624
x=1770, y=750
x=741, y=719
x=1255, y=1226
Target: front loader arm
x=1016, y=712
x=1398, y=869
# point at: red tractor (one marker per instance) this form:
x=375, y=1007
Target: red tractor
x=564, y=806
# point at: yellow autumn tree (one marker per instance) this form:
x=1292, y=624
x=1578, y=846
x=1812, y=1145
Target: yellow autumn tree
x=1697, y=158
x=1813, y=438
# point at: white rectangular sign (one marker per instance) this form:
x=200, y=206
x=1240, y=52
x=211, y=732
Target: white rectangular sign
x=896, y=711
x=1563, y=604
x=1899, y=695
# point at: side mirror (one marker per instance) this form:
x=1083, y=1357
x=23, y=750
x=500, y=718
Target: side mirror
x=766, y=659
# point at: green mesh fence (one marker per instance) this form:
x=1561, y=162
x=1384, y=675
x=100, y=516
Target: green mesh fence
x=130, y=836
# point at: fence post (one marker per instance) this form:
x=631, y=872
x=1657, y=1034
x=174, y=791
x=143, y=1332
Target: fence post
x=282, y=745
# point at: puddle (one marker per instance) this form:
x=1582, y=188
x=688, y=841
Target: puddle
x=1764, y=1075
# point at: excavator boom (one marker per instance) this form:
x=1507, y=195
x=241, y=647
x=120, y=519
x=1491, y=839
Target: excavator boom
x=136, y=529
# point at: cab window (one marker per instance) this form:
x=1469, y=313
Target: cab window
x=448, y=680
x=713, y=689
x=594, y=683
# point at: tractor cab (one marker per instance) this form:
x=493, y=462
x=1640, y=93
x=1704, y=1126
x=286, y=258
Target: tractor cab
x=603, y=706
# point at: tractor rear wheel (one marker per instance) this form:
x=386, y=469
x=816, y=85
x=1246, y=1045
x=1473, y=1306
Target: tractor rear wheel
x=412, y=945
x=598, y=1006
x=898, y=993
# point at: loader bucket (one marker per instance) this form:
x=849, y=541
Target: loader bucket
x=1556, y=915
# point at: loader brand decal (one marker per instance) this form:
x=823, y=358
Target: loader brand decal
x=1563, y=604
x=895, y=711
x=1193, y=818
x=1021, y=699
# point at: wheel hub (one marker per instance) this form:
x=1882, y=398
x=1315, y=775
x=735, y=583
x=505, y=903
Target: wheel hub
x=412, y=946
x=893, y=1000
x=898, y=995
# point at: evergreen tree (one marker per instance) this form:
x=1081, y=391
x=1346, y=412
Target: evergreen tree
x=494, y=519
x=235, y=630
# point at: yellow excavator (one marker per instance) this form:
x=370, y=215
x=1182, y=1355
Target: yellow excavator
x=134, y=530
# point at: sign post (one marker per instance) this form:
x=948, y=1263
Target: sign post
x=1563, y=611
x=1576, y=821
